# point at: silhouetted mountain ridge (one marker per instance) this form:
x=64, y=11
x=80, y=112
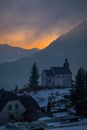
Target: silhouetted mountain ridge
x=9, y=53
x=72, y=45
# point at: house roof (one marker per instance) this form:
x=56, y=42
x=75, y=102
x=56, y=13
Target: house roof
x=61, y=70
x=5, y=97
x=27, y=101
x=48, y=73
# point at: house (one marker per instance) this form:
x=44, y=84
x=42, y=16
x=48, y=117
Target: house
x=57, y=76
x=14, y=107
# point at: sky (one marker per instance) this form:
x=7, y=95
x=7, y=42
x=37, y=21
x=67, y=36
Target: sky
x=36, y=23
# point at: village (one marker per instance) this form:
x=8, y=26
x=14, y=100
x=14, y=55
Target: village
x=43, y=64
x=45, y=105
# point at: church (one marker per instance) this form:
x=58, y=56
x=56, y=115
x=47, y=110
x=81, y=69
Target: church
x=57, y=76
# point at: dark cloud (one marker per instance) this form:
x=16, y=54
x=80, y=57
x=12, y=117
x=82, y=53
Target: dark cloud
x=41, y=16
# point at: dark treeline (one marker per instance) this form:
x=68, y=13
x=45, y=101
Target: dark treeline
x=78, y=93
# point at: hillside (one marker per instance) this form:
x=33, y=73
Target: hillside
x=10, y=54
x=72, y=45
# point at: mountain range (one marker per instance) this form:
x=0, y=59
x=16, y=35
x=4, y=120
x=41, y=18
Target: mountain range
x=10, y=54
x=72, y=45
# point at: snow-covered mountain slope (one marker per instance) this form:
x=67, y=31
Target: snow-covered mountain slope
x=72, y=45
x=9, y=53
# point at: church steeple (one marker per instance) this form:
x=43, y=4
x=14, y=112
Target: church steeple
x=66, y=64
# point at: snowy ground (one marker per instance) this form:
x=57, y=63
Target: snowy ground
x=82, y=127
x=55, y=94
x=48, y=124
x=67, y=124
x=42, y=97
x=57, y=127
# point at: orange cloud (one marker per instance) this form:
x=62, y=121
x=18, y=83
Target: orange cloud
x=12, y=39
x=41, y=42
x=19, y=39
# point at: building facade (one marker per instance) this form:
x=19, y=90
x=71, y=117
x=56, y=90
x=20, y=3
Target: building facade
x=15, y=107
x=57, y=76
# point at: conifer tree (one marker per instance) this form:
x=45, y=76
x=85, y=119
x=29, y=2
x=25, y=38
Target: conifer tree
x=85, y=84
x=34, y=77
x=78, y=92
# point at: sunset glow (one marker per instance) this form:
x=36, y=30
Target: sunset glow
x=36, y=23
x=19, y=40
